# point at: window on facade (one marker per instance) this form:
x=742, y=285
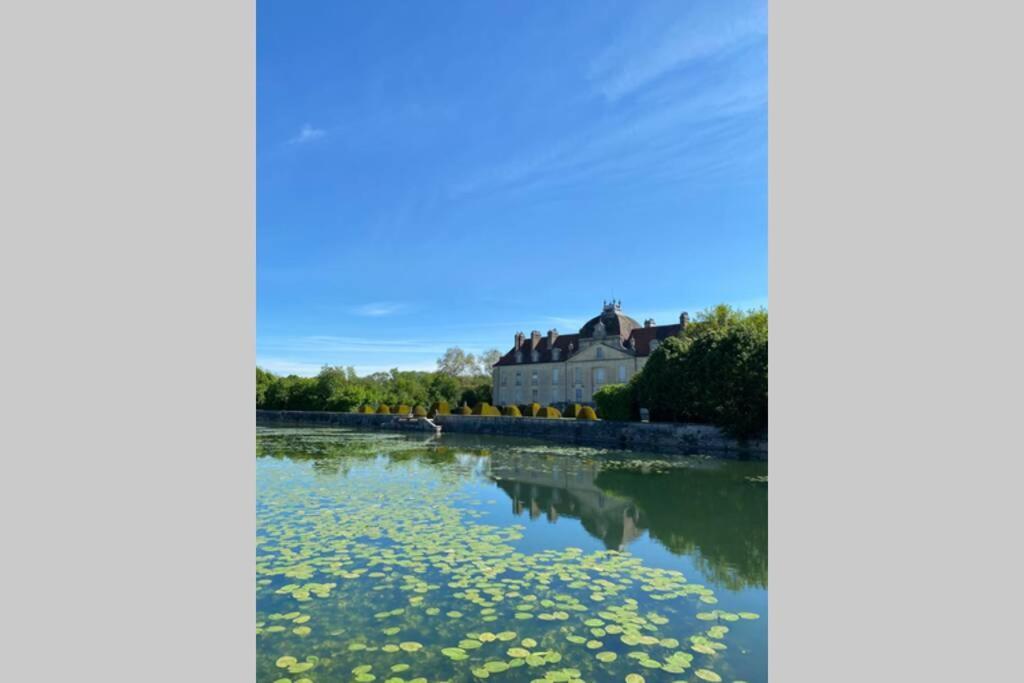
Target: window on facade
x=504, y=380
x=600, y=352
x=519, y=379
x=534, y=394
x=533, y=378
x=554, y=376
x=654, y=345
x=579, y=376
x=599, y=376
x=579, y=394
x=555, y=398
x=622, y=373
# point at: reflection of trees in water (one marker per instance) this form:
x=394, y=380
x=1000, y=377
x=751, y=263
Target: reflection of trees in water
x=714, y=514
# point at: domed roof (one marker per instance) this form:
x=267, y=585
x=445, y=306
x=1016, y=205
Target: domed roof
x=611, y=323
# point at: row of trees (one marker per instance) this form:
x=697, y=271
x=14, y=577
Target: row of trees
x=715, y=372
x=460, y=378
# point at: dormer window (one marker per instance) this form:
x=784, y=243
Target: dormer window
x=535, y=356
x=654, y=345
x=600, y=352
x=555, y=353
x=519, y=356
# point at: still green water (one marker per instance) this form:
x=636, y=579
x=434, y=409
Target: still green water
x=395, y=557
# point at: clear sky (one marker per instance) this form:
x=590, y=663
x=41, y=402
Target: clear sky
x=432, y=174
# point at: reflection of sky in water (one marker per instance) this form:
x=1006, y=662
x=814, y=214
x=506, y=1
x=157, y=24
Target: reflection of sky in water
x=705, y=519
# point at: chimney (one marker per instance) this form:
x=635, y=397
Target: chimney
x=684, y=319
x=552, y=336
x=534, y=339
x=519, y=340
x=649, y=322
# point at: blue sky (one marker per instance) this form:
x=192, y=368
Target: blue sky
x=447, y=173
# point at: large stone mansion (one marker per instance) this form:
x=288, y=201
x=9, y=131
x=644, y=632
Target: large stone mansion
x=568, y=368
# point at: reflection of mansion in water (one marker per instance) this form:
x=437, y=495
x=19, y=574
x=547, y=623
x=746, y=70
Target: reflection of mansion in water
x=568, y=489
x=569, y=368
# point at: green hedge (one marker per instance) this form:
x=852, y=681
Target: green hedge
x=615, y=402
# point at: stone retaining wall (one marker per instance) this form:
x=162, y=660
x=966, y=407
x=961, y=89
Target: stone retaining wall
x=658, y=437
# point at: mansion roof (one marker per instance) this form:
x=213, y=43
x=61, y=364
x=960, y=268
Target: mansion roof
x=611, y=327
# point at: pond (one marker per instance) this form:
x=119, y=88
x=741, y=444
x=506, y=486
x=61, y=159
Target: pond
x=397, y=557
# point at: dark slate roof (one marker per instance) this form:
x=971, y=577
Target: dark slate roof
x=642, y=335
x=562, y=342
x=615, y=323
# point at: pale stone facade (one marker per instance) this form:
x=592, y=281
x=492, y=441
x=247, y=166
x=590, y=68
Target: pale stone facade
x=561, y=369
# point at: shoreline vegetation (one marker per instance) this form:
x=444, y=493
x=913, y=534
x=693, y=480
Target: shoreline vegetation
x=714, y=373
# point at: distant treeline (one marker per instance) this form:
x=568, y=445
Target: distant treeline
x=715, y=372
x=340, y=389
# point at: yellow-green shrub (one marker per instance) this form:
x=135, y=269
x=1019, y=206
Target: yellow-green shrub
x=529, y=409
x=383, y=409
x=402, y=409
x=512, y=411
x=463, y=410
x=548, y=412
x=366, y=409
x=419, y=411
x=572, y=410
x=441, y=408
x=490, y=411
x=586, y=413
x=479, y=408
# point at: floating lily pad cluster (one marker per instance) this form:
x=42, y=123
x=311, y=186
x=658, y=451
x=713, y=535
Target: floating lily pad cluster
x=387, y=572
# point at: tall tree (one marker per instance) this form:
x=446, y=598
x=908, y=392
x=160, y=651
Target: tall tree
x=456, y=362
x=487, y=360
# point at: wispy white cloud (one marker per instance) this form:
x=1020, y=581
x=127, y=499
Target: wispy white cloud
x=308, y=134
x=288, y=366
x=653, y=48
x=379, y=309
x=324, y=346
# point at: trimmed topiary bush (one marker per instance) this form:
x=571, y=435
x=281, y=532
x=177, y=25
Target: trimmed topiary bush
x=419, y=411
x=441, y=408
x=402, y=409
x=586, y=413
x=366, y=409
x=512, y=411
x=463, y=410
x=383, y=409
x=529, y=409
x=480, y=407
x=548, y=412
x=490, y=411
x=572, y=410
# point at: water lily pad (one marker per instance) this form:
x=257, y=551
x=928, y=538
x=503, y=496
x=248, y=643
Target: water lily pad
x=634, y=678
x=606, y=656
x=286, y=661
x=707, y=675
